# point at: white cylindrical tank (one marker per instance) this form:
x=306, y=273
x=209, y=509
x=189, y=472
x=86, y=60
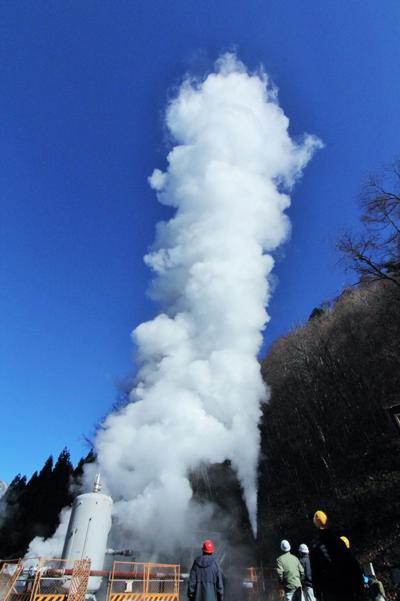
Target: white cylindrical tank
x=88, y=529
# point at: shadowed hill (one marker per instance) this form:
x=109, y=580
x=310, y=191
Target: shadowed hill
x=328, y=440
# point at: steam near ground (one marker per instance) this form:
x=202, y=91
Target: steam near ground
x=51, y=547
x=198, y=390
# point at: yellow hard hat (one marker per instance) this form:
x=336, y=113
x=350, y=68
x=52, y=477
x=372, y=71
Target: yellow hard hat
x=320, y=519
x=346, y=541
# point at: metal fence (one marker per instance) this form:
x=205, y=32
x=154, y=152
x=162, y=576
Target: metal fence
x=50, y=580
x=133, y=581
x=9, y=572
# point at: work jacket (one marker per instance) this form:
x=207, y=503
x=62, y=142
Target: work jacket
x=290, y=571
x=205, y=580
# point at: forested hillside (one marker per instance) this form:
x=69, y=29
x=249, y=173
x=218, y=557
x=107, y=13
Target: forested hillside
x=328, y=440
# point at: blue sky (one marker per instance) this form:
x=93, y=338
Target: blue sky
x=83, y=90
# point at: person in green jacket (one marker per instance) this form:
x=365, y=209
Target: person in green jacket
x=290, y=573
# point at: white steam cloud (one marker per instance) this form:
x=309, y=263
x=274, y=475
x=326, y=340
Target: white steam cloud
x=53, y=546
x=199, y=389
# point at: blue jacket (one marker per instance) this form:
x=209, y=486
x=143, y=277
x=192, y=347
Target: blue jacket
x=205, y=580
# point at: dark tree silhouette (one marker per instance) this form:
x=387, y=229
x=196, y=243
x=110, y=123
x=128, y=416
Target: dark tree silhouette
x=10, y=505
x=32, y=509
x=375, y=253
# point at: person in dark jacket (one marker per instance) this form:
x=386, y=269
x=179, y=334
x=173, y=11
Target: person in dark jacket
x=336, y=573
x=307, y=579
x=205, y=579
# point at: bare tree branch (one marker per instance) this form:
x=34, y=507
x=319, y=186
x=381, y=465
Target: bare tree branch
x=375, y=254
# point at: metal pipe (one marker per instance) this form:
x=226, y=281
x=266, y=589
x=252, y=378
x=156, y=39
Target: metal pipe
x=57, y=573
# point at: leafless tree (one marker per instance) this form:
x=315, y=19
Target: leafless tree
x=375, y=253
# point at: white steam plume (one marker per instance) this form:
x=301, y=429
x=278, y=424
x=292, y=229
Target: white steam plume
x=199, y=388
x=51, y=547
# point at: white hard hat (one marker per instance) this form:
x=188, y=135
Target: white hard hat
x=285, y=545
x=303, y=548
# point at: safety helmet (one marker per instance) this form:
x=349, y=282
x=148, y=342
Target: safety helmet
x=320, y=519
x=346, y=541
x=208, y=547
x=285, y=545
x=303, y=548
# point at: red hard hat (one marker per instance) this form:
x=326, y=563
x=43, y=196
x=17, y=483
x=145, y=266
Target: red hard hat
x=208, y=547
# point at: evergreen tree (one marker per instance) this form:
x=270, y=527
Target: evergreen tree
x=10, y=530
x=60, y=488
x=32, y=509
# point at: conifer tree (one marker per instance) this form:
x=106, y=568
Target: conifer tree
x=32, y=509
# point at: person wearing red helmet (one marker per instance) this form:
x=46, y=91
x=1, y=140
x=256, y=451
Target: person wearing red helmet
x=208, y=547
x=205, y=579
